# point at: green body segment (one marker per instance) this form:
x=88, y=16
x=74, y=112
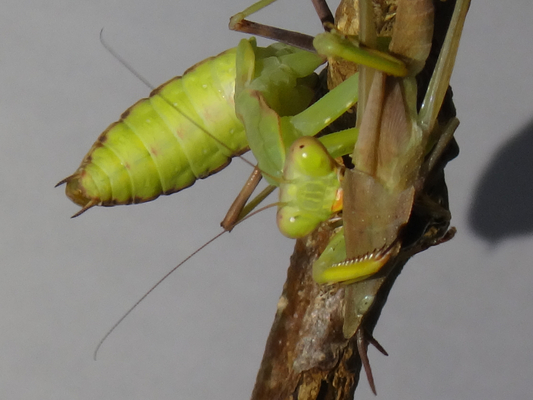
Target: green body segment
x=187, y=129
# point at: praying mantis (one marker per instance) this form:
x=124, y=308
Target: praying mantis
x=390, y=165
x=398, y=148
x=157, y=147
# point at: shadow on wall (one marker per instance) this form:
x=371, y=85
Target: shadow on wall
x=503, y=200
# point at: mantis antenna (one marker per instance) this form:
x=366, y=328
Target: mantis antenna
x=145, y=295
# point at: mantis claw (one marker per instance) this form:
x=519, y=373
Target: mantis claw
x=363, y=338
x=371, y=339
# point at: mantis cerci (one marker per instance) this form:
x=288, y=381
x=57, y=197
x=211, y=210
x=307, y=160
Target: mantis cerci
x=191, y=126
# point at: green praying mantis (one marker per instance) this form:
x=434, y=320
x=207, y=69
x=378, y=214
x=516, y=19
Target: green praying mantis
x=160, y=145
x=163, y=144
x=260, y=98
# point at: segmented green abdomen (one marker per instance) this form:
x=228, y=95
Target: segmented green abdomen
x=154, y=149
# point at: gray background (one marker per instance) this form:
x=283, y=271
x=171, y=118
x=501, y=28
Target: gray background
x=458, y=322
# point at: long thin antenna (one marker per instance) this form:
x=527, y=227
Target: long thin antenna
x=134, y=306
x=151, y=290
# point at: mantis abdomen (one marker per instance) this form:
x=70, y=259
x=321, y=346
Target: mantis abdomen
x=155, y=149
x=187, y=129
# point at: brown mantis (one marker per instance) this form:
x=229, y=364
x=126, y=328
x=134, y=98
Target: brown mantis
x=398, y=148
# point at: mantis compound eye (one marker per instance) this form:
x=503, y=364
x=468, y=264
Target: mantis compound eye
x=311, y=158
